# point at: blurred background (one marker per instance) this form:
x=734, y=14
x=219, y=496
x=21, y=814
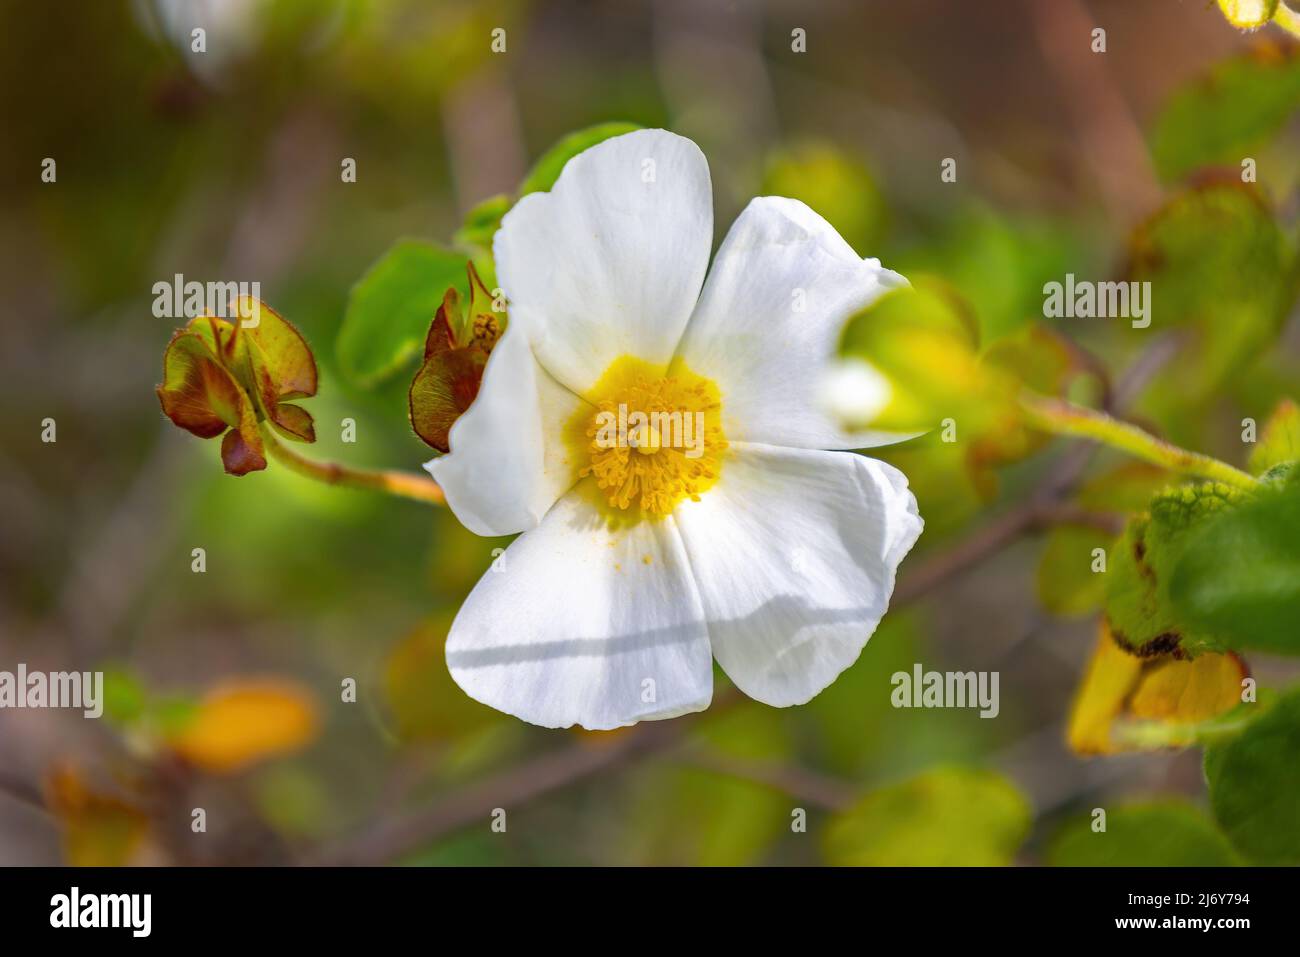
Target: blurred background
x=226, y=689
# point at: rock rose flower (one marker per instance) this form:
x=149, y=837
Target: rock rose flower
x=657, y=438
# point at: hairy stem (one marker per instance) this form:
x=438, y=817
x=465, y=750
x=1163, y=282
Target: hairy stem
x=401, y=484
x=1065, y=418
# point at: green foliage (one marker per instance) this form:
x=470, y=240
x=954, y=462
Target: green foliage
x=1254, y=782
x=1227, y=115
x=853, y=729
x=1239, y=575
x=547, y=169
x=424, y=702
x=942, y=818
x=1142, y=615
x=1067, y=583
x=1279, y=440
x=997, y=263
x=1158, y=834
x=1220, y=267
x=481, y=224
x=700, y=815
x=922, y=338
x=390, y=309
x=835, y=184
x=923, y=341
x=125, y=697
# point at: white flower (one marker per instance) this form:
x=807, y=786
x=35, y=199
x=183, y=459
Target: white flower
x=652, y=545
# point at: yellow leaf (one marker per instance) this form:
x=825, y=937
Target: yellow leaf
x=1187, y=691
x=245, y=722
x=1129, y=703
x=1110, y=677
x=98, y=830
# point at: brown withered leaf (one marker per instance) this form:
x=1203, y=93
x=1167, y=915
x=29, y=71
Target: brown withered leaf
x=455, y=353
x=242, y=451
x=442, y=390
x=99, y=830
x=278, y=347
x=442, y=333
x=197, y=392
x=223, y=376
x=275, y=362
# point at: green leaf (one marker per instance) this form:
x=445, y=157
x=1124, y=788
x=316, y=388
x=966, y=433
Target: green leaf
x=124, y=696
x=547, y=169
x=1254, y=784
x=1142, y=615
x=1227, y=115
x=1279, y=441
x=1219, y=266
x=1067, y=584
x=943, y=818
x=1158, y=834
x=998, y=264
x=390, y=308
x=1239, y=576
x=1208, y=252
x=481, y=223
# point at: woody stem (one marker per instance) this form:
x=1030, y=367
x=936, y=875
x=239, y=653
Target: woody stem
x=401, y=484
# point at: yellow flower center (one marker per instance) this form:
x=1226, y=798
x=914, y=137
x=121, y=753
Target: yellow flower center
x=654, y=437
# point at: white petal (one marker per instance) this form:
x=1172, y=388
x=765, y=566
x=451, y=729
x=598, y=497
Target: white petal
x=780, y=291
x=610, y=261
x=508, y=461
x=794, y=552
x=584, y=625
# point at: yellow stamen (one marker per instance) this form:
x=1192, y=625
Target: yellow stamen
x=672, y=419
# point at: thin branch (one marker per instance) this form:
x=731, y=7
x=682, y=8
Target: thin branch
x=508, y=789
x=799, y=782
x=22, y=792
x=401, y=484
x=1065, y=418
